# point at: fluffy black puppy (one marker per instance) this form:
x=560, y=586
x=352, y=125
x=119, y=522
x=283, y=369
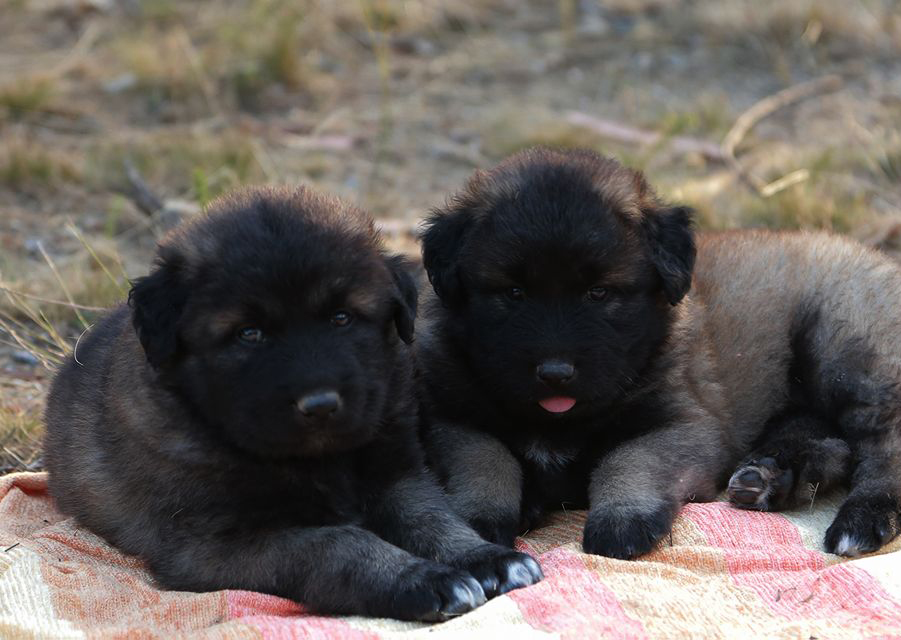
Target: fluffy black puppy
x=582, y=351
x=247, y=421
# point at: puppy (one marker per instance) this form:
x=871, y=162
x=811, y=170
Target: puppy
x=247, y=421
x=569, y=360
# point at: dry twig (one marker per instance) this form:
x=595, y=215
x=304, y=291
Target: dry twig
x=760, y=110
x=632, y=135
x=141, y=194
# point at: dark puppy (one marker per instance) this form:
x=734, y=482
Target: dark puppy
x=247, y=421
x=564, y=363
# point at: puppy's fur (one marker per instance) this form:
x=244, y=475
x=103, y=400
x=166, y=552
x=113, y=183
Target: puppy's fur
x=561, y=277
x=247, y=421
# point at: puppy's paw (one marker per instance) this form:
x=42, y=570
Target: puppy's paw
x=432, y=592
x=625, y=531
x=761, y=485
x=500, y=570
x=500, y=530
x=863, y=524
x=792, y=474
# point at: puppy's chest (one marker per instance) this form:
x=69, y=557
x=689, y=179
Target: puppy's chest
x=554, y=473
x=307, y=499
x=550, y=458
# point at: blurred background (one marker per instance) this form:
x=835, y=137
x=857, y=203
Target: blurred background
x=118, y=118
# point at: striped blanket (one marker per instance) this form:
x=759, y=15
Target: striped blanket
x=723, y=573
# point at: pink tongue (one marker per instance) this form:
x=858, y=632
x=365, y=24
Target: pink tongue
x=557, y=404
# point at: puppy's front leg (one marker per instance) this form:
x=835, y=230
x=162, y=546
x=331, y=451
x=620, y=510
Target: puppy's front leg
x=636, y=489
x=482, y=478
x=339, y=569
x=415, y=515
x=871, y=514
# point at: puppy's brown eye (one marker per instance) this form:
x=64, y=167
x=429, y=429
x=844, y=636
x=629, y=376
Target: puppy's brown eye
x=342, y=319
x=516, y=293
x=251, y=335
x=596, y=294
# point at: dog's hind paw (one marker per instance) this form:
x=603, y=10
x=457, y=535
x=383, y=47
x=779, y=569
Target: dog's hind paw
x=863, y=524
x=760, y=485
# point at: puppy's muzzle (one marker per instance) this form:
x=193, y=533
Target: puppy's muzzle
x=320, y=404
x=555, y=372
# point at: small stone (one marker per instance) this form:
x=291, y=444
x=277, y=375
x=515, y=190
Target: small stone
x=32, y=245
x=25, y=357
x=120, y=83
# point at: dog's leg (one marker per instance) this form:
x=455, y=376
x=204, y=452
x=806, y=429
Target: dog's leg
x=797, y=460
x=871, y=515
x=341, y=570
x=414, y=514
x=482, y=478
x=859, y=387
x=637, y=488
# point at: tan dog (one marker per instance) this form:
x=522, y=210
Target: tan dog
x=570, y=359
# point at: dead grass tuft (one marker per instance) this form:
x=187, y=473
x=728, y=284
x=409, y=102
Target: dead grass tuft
x=21, y=430
x=27, y=166
x=195, y=166
x=26, y=96
x=799, y=207
x=393, y=103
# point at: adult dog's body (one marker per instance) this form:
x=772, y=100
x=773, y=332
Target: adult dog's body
x=247, y=421
x=564, y=363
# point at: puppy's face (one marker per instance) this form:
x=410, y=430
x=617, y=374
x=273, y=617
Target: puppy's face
x=276, y=318
x=557, y=271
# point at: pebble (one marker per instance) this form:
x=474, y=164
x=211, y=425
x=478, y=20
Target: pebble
x=24, y=357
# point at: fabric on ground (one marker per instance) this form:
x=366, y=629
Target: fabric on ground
x=724, y=573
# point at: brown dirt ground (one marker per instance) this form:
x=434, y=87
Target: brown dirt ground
x=392, y=104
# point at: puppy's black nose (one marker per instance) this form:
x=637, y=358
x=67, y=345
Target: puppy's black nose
x=319, y=404
x=555, y=371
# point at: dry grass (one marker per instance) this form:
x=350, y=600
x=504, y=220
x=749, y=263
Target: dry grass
x=29, y=167
x=20, y=439
x=392, y=103
x=25, y=96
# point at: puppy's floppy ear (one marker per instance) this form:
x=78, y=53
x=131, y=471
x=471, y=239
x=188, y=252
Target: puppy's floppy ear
x=442, y=240
x=672, y=244
x=157, y=302
x=405, y=297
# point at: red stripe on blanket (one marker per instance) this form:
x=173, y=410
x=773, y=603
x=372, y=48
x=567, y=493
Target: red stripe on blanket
x=573, y=601
x=764, y=552
x=282, y=619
